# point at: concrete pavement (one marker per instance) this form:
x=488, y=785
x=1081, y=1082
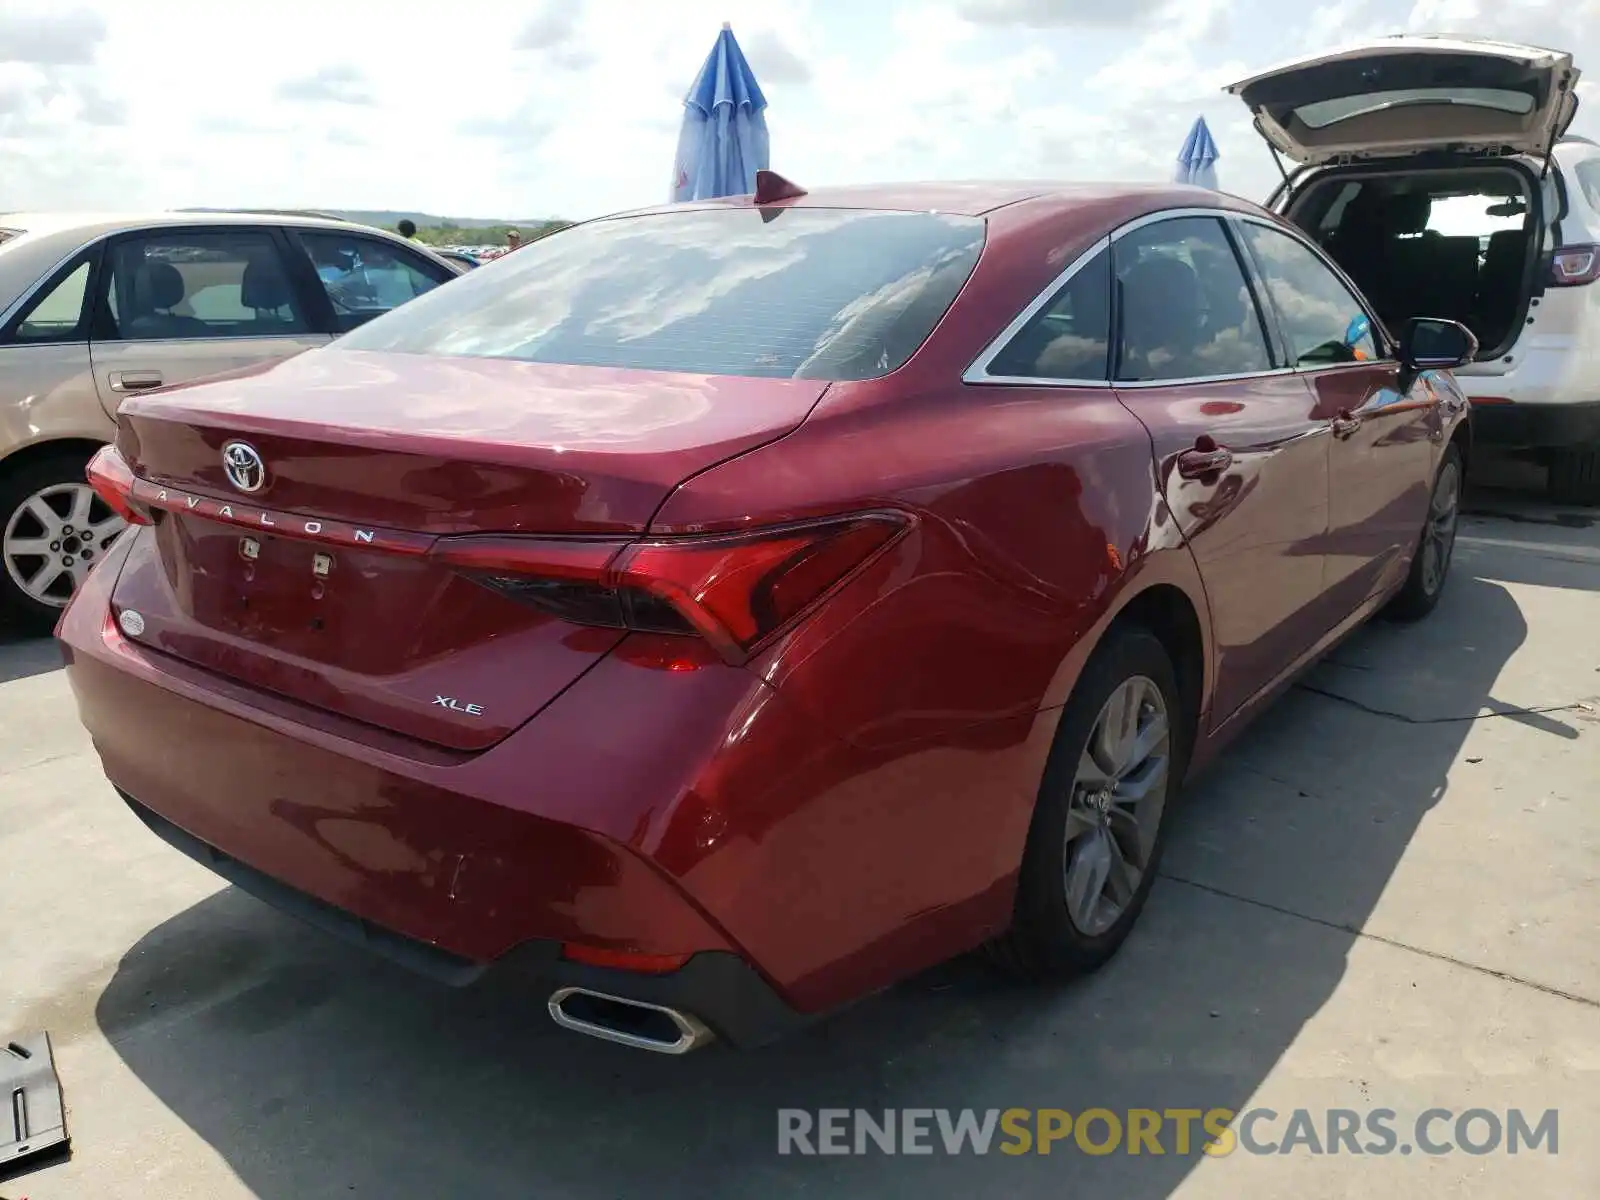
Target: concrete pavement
x=1385, y=896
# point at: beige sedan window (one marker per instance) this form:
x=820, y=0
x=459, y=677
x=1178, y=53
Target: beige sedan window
x=201, y=285
x=57, y=315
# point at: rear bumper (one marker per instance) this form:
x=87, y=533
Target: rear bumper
x=718, y=987
x=647, y=809
x=1537, y=426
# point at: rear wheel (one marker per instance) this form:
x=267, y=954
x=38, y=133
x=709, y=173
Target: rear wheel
x=1436, y=544
x=53, y=529
x=1099, y=826
x=1574, y=477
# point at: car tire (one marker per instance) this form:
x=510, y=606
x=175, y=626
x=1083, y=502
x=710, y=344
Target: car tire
x=1065, y=923
x=54, y=481
x=1436, y=543
x=1573, y=477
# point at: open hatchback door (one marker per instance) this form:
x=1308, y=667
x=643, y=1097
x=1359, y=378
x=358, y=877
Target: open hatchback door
x=1405, y=95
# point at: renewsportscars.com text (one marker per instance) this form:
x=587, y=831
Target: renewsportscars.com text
x=1179, y=1131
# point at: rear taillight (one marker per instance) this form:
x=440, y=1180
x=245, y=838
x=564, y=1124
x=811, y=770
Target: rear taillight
x=112, y=480
x=1572, y=266
x=734, y=590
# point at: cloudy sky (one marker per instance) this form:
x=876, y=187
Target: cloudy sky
x=570, y=107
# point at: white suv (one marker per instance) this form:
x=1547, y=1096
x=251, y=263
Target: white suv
x=1437, y=173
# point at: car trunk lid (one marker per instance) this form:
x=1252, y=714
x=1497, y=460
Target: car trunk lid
x=1408, y=95
x=323, y=584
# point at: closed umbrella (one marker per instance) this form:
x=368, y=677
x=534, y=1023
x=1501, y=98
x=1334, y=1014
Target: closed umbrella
x=724, y=138
x=1197, y=161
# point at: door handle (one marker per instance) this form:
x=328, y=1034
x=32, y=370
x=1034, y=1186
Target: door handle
x=134, y=381
x=1206, y=458
x=1345, y=424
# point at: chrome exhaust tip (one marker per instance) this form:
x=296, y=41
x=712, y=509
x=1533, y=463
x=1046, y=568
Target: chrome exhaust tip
x=632, y=1023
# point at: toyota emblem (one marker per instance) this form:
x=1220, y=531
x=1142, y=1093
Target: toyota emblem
x=241, y=462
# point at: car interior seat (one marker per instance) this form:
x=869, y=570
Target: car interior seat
x=1432, y=275
x=158, y=288
x=1163, y=320
x=264, y=289
x=1500, y=283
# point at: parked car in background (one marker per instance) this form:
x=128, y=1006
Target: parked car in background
x=1435, y=172
x=459, y=258
x=723, y=611
x=95, y=309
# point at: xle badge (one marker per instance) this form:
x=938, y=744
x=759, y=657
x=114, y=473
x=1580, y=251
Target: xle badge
x=472, y=710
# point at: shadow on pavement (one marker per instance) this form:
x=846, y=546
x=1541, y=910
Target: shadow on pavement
x=315, y=1072
x=21, y=658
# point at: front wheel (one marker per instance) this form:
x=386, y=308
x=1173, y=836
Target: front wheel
x=1436, y=544
x=1099, y=826
x=53, y=529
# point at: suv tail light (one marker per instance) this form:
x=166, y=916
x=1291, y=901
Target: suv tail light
x=1572, y=266
x=734, y=590
x=112, y=480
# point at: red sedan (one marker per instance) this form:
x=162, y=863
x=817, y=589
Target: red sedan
x=723, y=611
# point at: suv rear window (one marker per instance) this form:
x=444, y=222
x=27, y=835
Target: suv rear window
x=789, y=293
x=1322, y=113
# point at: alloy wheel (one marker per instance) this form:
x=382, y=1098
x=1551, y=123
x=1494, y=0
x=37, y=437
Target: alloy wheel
x=1118, y=794
x=1439, y=535
x=54, y=537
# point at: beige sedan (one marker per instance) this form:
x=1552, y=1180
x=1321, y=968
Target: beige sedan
x=94, y=309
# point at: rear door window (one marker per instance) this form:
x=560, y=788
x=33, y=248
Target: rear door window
x=781, y=293
x=174, y=285
x=1186, y=309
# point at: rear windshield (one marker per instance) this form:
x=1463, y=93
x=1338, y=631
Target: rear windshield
x=1323, y=113
x=789, y=293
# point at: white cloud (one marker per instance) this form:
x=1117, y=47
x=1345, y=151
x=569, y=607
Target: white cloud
x=571, y=107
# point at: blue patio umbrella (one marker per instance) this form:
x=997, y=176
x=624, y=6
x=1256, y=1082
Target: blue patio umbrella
x=1197, y=161
x=724, y=139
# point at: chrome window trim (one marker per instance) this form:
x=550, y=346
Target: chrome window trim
x=1203, y=379
x=221, y=337
x=977, y=371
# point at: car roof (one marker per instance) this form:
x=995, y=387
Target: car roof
x=94, y=224
x=973, y=198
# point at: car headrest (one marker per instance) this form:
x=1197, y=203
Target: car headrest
x=263, y=285
x=1506, y=246
x=1408, y=212
x=157, y=285
x=1163, y=303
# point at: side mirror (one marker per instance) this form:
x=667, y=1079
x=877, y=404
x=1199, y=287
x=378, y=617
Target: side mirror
x=1432, y=343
